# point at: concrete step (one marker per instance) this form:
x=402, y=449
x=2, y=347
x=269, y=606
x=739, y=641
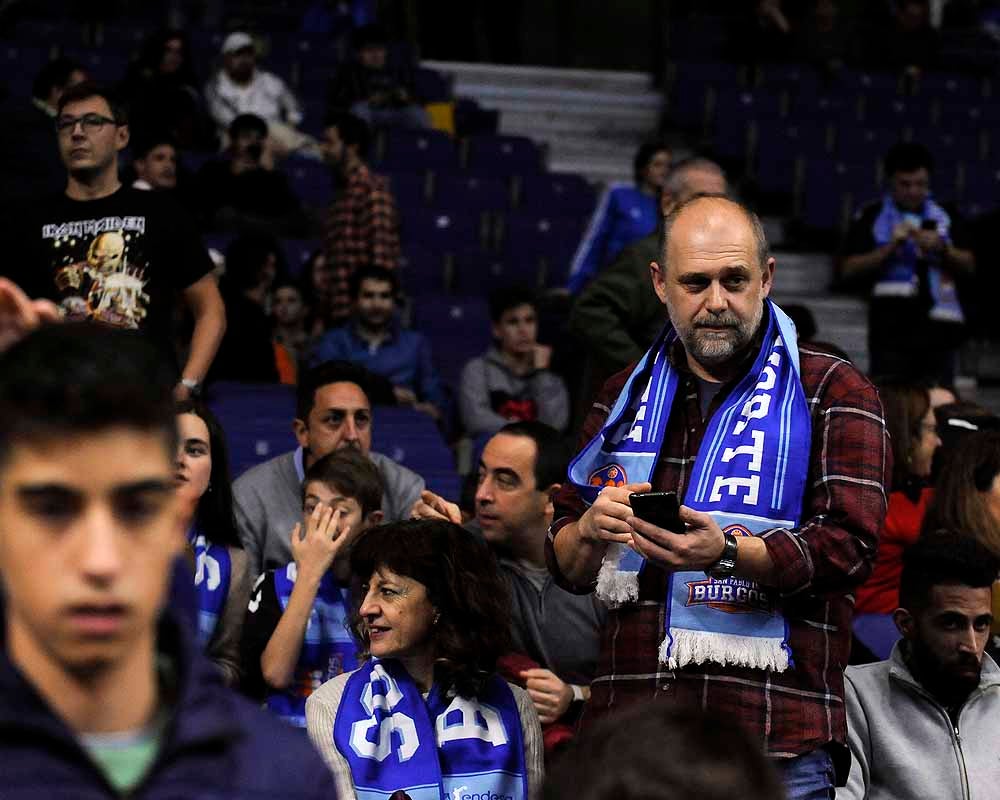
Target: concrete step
x=542, y=97
x=549, y=121
x=507, y=75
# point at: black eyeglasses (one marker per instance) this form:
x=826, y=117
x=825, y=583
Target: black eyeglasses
x=90, y=122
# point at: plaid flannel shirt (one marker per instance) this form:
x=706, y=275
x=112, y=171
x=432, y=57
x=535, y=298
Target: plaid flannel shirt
x=817, y=566
x=362, y=229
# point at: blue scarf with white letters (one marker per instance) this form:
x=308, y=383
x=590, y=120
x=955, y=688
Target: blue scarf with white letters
x=899, y=276
x=750, y=475
x=328, y=648
x=444, y=748
x=212, y=575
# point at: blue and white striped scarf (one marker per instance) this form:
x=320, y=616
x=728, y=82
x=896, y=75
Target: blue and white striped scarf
x=749, y=474
x=212, y=576
x=441, y=748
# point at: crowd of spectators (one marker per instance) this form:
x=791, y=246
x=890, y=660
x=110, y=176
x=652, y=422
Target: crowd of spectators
x=434, y=642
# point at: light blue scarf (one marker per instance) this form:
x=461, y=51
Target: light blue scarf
x=899, y=277
x=749, y=474
x=439, y=749
x=328, y=648
x=212, y=575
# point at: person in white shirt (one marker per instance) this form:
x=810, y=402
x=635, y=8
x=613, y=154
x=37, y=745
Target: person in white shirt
x=239, y=87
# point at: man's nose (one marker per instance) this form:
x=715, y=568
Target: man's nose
x=484, y=492
x=100, y=555
x=716, y=301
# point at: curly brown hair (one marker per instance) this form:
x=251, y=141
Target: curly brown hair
x=463, y=583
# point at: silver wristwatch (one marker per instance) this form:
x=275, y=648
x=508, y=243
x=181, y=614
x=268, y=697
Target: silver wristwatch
x=726, y=565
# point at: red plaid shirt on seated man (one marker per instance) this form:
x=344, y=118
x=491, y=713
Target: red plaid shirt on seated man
x=362, y=229
x=801, y=709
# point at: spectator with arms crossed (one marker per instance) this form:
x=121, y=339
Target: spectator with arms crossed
x=780, y=458
x=333, y=412
x=102, y=692
x=297, y=631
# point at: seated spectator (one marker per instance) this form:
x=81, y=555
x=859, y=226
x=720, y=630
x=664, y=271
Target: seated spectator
x=155, y=165
x=362, y=227
x=242, y=189
x=375, y=339
x=206, y=498
x=163, y=91
x=912, y=428
x=373, y=90
x=29, y=156
x=239, y=87
x=333, y=412
x=103, y=693
x=297, y=634
x=923, y=723
x=626, y=213
x=289, y=334
x=912, y=251
x=253, y=261
x=432, y=622
x=519, y=471
x=511, y=381
x=622, y=758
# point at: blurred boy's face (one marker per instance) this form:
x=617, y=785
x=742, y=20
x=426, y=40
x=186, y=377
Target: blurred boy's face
x=356, y=522
x=373, y=56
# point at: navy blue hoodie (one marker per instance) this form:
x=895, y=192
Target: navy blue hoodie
x=216, y=746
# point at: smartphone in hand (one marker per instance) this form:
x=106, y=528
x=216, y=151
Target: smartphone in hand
x=661, y=509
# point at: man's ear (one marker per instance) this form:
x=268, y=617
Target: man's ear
x=122, y=137
x=551, y=496
x=373, y=518
x=301, y=431
x=659, y=279
x=905, y=623
x=768, y=278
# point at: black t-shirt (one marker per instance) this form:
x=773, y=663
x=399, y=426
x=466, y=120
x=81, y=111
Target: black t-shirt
x=118, y=260
x=263, y=616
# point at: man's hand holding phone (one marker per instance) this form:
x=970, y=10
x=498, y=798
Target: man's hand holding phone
x=605, y=520
x=698, y=545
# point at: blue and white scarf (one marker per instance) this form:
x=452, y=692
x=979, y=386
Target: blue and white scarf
x=750, y=475
x=328, y=648
x=899, y=277
x=444, y=748
x=212, y=575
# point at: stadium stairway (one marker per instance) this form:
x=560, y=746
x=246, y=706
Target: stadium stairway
x=591, y=121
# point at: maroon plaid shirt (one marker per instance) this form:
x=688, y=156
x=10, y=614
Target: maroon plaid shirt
x=817, y=566
x=362, y=229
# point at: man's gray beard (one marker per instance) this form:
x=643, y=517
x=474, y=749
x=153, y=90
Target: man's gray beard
x=714, y=350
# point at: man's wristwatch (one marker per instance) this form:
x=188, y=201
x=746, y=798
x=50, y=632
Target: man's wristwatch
x=726, y=565
x=193, y=386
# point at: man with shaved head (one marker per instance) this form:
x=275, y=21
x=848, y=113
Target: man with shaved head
x=739, y=603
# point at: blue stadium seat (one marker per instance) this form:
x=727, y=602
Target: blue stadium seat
x=503, y=155
x=557, y=194
x=833, y=189
x=297, y=253
x=421, y=271
x=431, y=86
x=856, y=143
x=311, y=181
x=779, y=147
x=554, y=239
x=458, y=328
x=798, y=79
x=409, y=188
x=412, y=151
x=950, y=87
x=982, y=189
x=896, y=114
x=476, y=271
x=470, y=190
x=443, y=230
x=257, y=419
x=877, y=632
x=103, y=65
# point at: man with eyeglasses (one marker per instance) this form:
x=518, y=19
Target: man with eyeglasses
x=112, y=254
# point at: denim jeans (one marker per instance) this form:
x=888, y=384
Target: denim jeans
x=808, y=777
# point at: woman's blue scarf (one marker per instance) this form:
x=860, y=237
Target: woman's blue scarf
x=434, y=749
x=750, y=475
x=900, y=277
x=212, y=575
x=328, y=648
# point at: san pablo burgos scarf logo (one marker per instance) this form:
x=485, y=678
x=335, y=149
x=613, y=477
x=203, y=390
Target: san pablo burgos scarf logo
x=750, y=475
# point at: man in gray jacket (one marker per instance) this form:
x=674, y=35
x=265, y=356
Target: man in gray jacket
x=333, y=412
x=924, y=723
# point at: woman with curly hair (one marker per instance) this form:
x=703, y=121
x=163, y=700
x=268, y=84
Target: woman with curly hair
x=428, y=714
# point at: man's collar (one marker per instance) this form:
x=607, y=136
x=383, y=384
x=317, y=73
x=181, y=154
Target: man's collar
x=298, y=458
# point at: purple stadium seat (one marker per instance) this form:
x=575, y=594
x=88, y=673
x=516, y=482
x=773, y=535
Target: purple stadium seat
x=431, y=86
x=458, y=328
x=982, y=189
x=855, y=143
x=798, y=79
x=409, y=189
x=832, y=190
x=421, y=270
x=779, y=147
x=557, y=194
x=476, y=271
x=950, y=87
x=878, y=112
x=443, y=230
x=503, y=155
x=412, y=151
x=877, y=632
x=553, y=239
x=470, y=190
x=311, y=181
x=689, y=90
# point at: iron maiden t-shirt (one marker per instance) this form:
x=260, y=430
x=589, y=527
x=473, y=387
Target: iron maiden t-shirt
x=118, y=260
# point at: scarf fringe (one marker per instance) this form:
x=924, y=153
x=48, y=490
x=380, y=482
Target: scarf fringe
x=688, y=646
x=615, y=587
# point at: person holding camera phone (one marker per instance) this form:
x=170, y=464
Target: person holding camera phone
x=914, y=252
x=781, y=457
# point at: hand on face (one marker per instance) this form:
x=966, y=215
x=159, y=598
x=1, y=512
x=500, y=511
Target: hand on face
x=317, y=550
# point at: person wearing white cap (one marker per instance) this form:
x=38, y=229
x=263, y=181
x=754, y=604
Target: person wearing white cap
x=239, y=87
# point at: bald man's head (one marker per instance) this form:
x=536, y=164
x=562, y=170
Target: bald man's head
x=763, y=251
x=715, y=276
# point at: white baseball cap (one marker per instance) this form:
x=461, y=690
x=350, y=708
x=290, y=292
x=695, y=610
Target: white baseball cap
x=237, y=41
